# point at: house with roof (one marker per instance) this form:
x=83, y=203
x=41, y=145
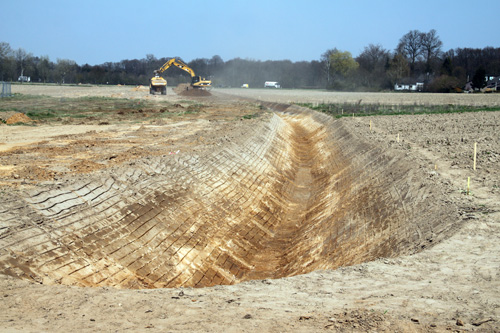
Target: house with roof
x=492, y=84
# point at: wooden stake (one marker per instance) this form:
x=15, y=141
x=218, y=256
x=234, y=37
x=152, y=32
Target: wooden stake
x=397, y=138
x=468, y=185
x=475, y=153
x=370, y=124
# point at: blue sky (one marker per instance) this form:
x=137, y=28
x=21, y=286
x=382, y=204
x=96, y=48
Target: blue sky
x=95, y=32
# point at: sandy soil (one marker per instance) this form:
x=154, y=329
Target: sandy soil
x=452, y=285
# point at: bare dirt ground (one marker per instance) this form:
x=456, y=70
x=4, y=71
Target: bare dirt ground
x=273, y=202
x=318, y=96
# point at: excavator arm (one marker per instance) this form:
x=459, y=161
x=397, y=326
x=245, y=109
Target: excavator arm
x=165, y=66
x=178, y=63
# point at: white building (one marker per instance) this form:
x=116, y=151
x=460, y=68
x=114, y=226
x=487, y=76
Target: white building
x=419, y=86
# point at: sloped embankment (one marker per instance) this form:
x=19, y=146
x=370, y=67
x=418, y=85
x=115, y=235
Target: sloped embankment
x=299, y=193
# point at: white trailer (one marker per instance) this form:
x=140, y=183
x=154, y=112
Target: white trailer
x=271, y=84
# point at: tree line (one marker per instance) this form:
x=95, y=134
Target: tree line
x=418, y=57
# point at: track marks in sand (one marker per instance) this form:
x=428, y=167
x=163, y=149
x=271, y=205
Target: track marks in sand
x=298, y=193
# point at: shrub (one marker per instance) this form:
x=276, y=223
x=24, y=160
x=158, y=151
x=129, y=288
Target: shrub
x=444, y=84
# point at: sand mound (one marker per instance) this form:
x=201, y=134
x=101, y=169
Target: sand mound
x=185, y=89
x=140, y=88
x=18, y=118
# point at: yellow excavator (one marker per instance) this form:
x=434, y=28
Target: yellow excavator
x=159, y=84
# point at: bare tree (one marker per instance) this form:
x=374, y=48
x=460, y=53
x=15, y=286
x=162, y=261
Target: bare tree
x=372, y=66
x=327, y=63
x=5, y=50
x=215, y=62
x=65, y=70
x=431, y=47
x=151, y=57
x=373, y=58
x=410, y=46
x=43, y=67
x=200, y=66
x=5, y=56
x=151, y=63
x=22, y=58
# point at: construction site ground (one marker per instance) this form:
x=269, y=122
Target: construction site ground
x=237, y=210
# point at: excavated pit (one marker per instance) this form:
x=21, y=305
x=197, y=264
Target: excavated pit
x=300, y=193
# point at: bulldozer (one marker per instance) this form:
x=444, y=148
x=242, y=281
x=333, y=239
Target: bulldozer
x=159, y=85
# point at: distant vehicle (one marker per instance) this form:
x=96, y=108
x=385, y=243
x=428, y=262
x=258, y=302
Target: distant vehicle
x=272, y=84
x=245, y=85
x=24, y=78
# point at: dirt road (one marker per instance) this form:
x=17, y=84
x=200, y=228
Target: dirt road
x=289, y=219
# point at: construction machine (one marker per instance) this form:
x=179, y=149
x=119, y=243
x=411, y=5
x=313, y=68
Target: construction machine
x=159, y=84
